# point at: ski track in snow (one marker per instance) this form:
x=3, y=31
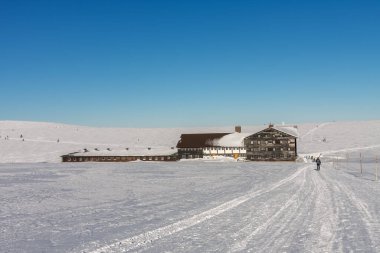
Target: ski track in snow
x=280, y=230
x=314, y=129
x=349, y=149
x=372, y=224
x=153, y=235
x=241, y=245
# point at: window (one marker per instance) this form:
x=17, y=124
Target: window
x=270, y=149
x=251, y=142
x=258, y=142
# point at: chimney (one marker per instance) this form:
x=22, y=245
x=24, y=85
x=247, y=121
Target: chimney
x=238, y=129
x=271, y=125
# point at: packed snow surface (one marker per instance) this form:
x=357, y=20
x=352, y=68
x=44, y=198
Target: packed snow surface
x=216, y=205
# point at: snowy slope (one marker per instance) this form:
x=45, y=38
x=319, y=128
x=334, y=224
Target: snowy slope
x=40, y=139
x=193, y=206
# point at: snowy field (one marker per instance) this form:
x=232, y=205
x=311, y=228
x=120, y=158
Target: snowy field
x=187, y=206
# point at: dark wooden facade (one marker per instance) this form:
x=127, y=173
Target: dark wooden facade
x=191, y=145
x=100, y=158
x=271, y=145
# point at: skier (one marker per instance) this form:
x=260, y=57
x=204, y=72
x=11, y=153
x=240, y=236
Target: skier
x=318, y=161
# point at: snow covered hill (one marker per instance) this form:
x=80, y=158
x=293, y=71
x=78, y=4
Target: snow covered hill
x=197, y=206
x=46, y=142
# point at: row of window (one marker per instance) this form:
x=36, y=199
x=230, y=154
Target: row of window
x=190, y=149
x=270, y=149
x=212, y=148
x=272, y=142
x=123, y=158
x=190, y=156
x=273, y=156
x=228, y=155
x=223, y=149
x=270, y=135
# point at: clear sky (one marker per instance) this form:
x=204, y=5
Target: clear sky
x=189, y=63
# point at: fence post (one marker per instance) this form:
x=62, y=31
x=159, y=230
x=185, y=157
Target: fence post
x=361, y=165
x=337, y=163
x=377, y=168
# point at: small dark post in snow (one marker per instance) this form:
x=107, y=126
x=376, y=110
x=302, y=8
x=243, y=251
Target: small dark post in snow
x=361, y=165
x=377, y=168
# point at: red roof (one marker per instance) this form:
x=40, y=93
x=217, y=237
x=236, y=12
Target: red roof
x=199, y=140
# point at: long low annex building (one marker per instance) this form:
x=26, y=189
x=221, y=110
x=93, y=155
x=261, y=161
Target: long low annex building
x=126, y=155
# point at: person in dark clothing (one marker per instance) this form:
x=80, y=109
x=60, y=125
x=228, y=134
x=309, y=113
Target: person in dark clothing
x=318, y=161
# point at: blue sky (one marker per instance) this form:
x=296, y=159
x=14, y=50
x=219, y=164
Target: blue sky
x=189, y=63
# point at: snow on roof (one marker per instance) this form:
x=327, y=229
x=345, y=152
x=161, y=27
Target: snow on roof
x=293, y=131
x=199, y=140
x=232, y=140
x=130, y=152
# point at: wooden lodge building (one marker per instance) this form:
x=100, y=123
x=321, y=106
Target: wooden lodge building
x=192, y=145
x=272, y=144
x=212, y=144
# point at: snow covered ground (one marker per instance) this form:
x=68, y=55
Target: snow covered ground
x=192, y=206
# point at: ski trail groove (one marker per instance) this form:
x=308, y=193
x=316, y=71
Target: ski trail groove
x=314, y=129
x=372, y=224
x=242, y=245
x=153, y=235
x=327, y=216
